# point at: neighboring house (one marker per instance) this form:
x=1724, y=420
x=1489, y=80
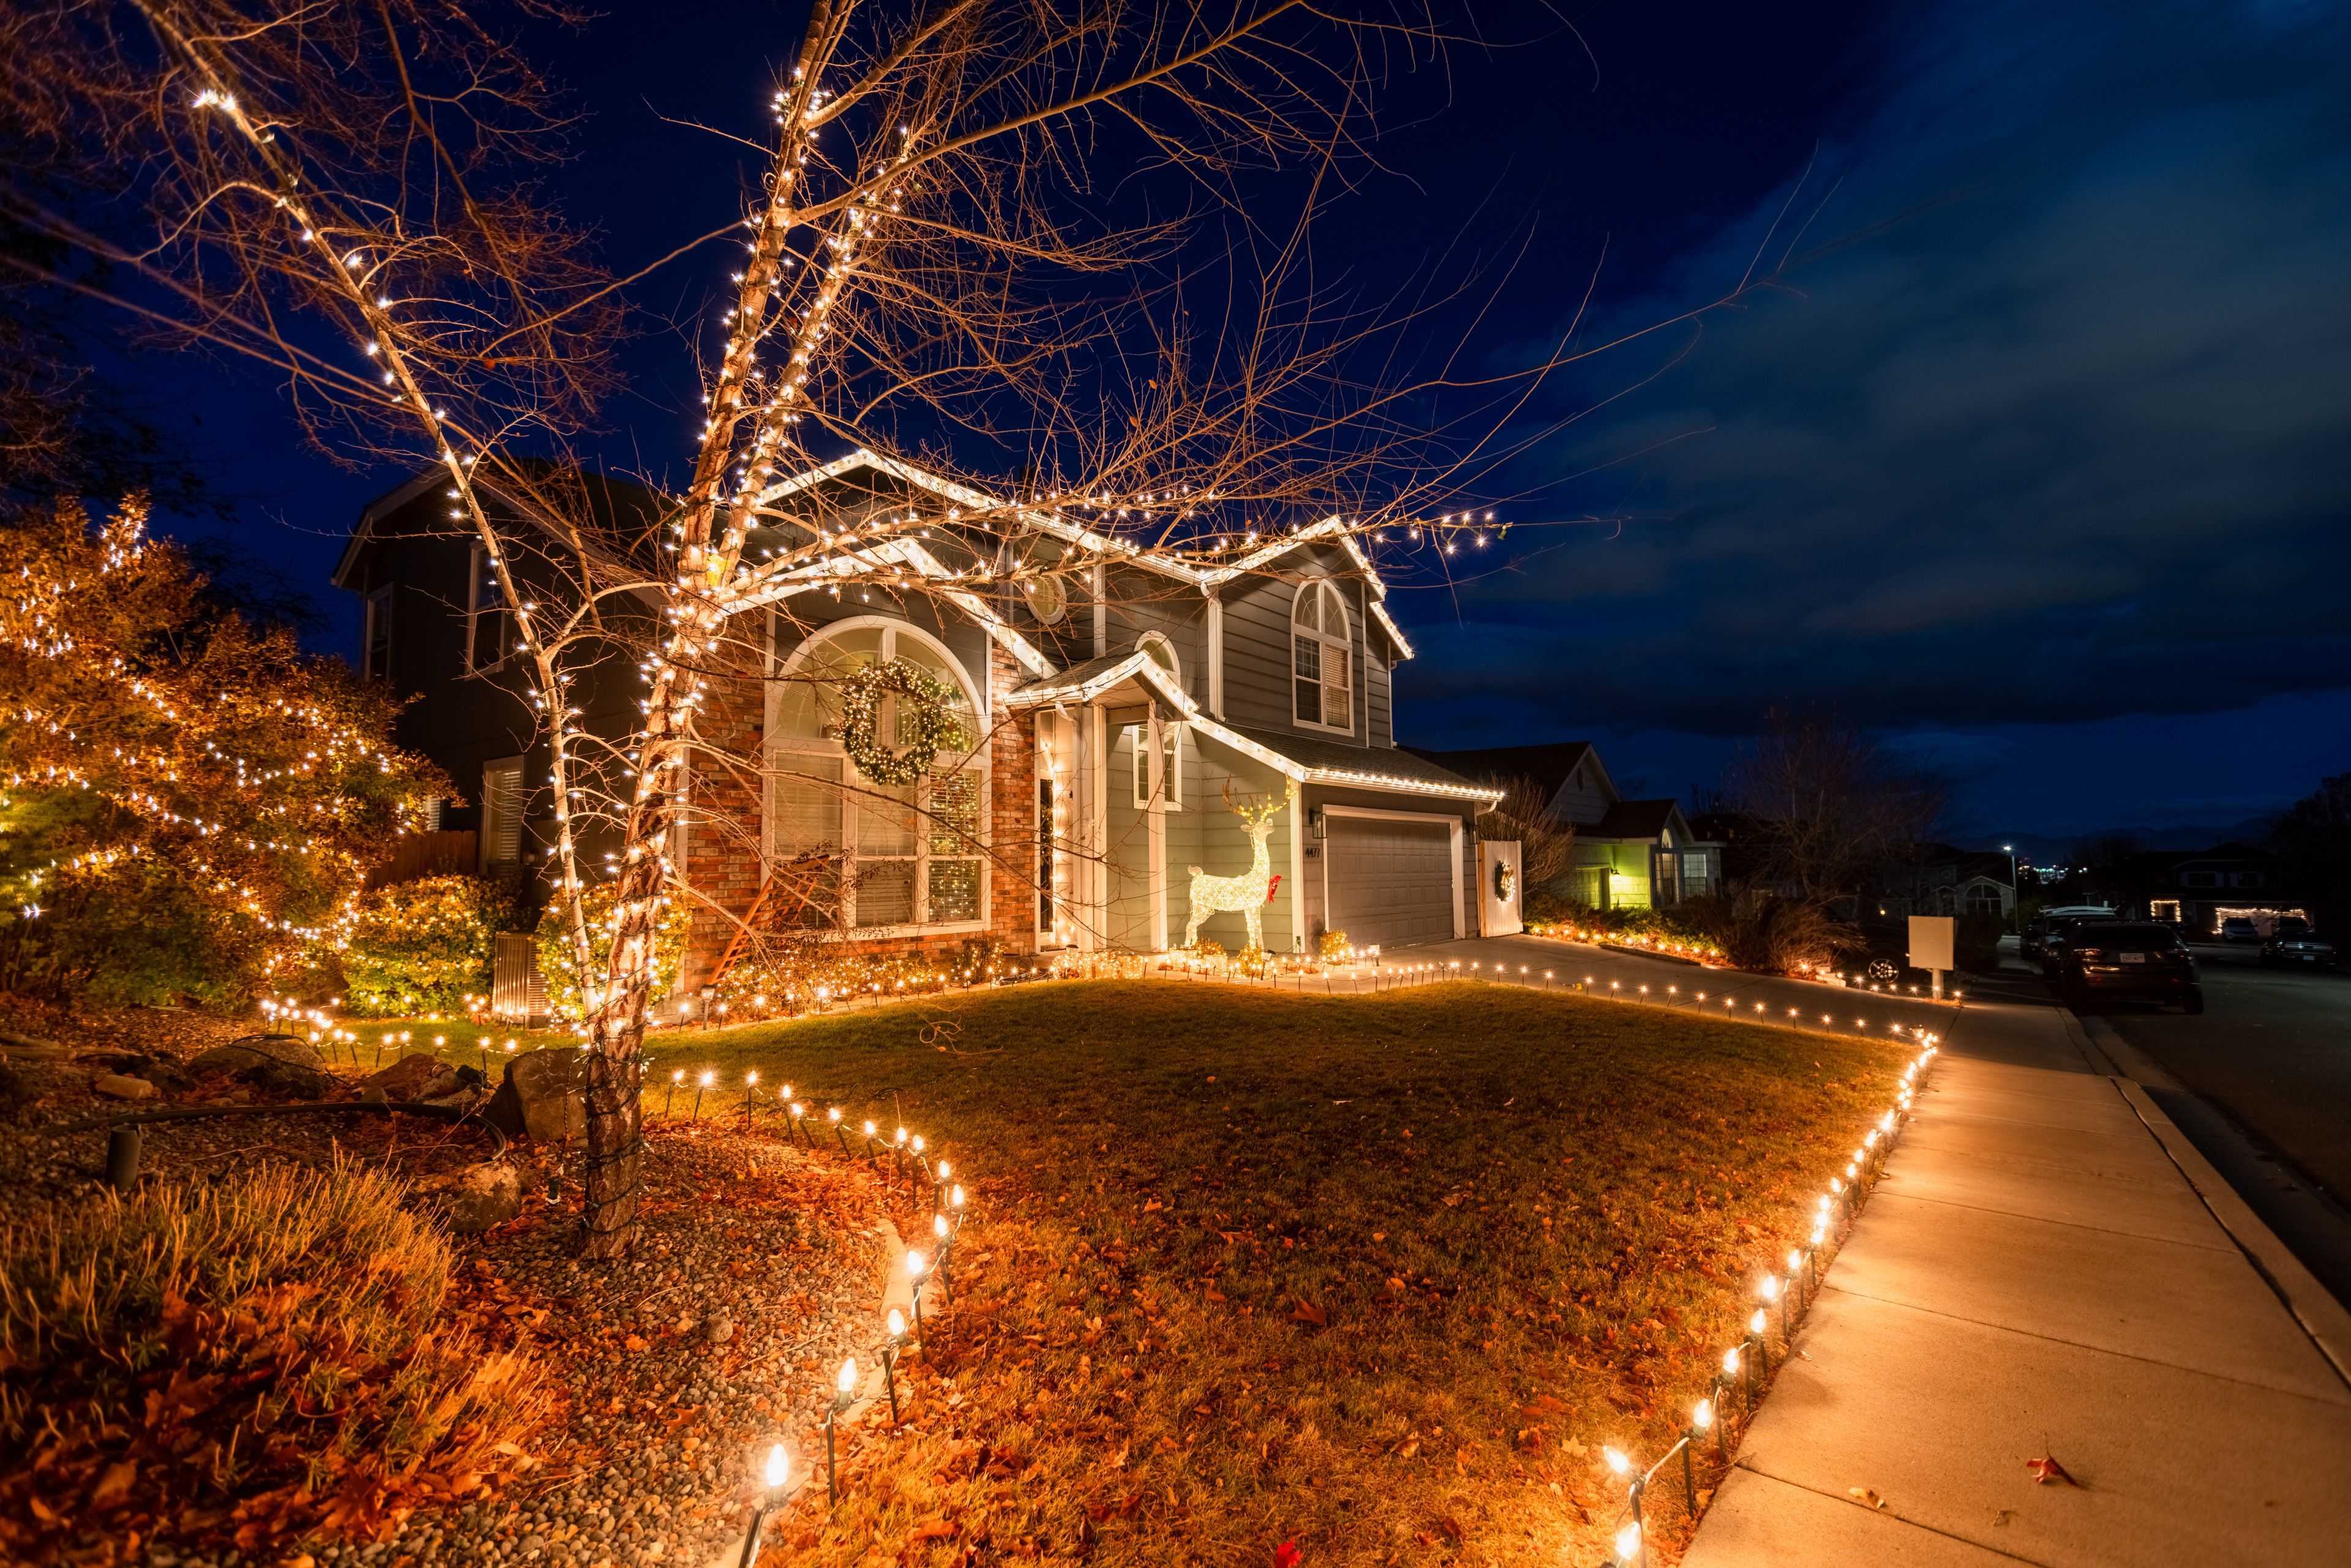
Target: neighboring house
x=1114, y=708
x=1634, y=855
x=2197, y=891
x=433, y=629
x=1940, y=880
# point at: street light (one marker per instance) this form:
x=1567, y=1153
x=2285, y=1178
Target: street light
x=2014, y=893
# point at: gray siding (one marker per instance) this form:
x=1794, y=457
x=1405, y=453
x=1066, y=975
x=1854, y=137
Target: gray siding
x=1584, y=797
x=1257, y=644
x=1141, y=601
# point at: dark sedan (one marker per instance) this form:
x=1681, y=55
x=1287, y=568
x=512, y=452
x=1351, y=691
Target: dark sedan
x=2127, y=960
x=2293, y=944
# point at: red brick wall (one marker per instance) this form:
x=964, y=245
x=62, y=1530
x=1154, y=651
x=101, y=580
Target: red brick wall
x=725, y=841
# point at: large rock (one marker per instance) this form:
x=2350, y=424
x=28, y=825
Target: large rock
x=416, y=1076
x=543, y=1097
x=122, y=1086
x=269, y=1062
x=475, y=1198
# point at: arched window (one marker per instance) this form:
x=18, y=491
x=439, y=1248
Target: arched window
x=1320, y=663
x=1162, y=653
x=860, y=854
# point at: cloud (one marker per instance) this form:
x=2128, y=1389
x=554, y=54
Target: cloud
x=2058, y=429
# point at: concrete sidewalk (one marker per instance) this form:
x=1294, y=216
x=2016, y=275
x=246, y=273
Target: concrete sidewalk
x=2044, y=1270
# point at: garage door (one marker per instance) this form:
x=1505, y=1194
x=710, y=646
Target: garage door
x=1391, y=882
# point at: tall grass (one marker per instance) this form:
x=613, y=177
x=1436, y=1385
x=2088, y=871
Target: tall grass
x=267, y=1354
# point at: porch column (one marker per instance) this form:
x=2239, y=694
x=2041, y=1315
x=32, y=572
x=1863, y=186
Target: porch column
x=1157, y=779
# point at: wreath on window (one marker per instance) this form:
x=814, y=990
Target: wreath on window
x=1505, y=879
x=927, y=726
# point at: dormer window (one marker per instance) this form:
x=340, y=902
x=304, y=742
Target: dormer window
x=1320, y=662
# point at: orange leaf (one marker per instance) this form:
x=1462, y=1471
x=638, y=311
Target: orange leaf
x=2046, y=1469
x=1306, y=1312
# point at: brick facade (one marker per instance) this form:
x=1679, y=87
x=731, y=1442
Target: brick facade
x=726, y=838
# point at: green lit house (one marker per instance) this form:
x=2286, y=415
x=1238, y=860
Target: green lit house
x=1629, y=855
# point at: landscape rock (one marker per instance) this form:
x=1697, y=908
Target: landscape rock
x=719, y=1329
x=122, y=1086
x=416, y=1076
x=479, y=1196
x=542, y=1097
x=269, y=1062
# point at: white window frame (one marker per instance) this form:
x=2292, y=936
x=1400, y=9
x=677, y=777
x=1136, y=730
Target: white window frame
x=491, y=822
x=378, y=613
x=788, y=747
x=1339, y=645
x=1138, y=754
x=476, y=606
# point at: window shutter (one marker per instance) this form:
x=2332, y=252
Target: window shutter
x=502, y=811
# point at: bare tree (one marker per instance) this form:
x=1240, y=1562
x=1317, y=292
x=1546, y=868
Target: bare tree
x=1546, y=844
x=925, y=267
x=1829, y=805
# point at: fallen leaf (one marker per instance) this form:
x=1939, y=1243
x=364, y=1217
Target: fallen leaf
x=1306, y=1312
x=1287, y=1555
x=2046, y=1469
x=935, y=1528
x=1867, y=1495
x=1216, y=1295
x=114, y=1485
x=633, y=1343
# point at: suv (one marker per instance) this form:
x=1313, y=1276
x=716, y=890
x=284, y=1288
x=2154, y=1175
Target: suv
x=2294, y=942
x=2240, y=928
x=2126, y=959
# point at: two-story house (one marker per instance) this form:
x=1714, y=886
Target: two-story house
x=1629, y=855
x=1121, y=707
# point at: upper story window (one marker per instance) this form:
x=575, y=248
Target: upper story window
x=1162, y=653
x=864, y=855
x=1320, y=662
x=375, y=638
x=488, y=627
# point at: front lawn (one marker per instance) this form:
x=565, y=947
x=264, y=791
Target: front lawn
x=1376, y=1275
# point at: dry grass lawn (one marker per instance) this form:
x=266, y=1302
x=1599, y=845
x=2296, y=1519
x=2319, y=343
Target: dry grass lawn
x=1374, y=1275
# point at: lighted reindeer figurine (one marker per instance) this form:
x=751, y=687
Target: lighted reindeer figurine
x=1244, y=894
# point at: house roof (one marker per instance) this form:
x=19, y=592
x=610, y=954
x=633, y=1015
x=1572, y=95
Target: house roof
x=1374, y=766
x=610, y=500
x=1637, y=819
x=1547, y=765
x=1047, y=520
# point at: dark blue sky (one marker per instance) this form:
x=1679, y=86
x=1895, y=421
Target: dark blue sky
x=2038, y=465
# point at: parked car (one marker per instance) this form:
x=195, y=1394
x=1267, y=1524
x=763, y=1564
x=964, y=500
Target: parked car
x=2240, y=928
x=2122, y=959
x=2033, y=944
x=2293, y=945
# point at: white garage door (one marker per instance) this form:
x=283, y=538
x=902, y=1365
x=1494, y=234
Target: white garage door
x=1391, y=882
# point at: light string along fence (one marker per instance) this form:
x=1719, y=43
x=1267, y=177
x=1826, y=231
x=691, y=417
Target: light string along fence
x=909, y=1166
x=1737, y=1385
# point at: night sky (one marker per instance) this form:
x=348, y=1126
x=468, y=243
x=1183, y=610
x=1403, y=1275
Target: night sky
x=2038, y=463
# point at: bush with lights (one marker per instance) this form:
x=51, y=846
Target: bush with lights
x=422, y=946
x=564, y=998
x=189, y=804
x=1331, y=948
x=789, y=973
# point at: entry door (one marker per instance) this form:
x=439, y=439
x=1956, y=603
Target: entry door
x=1391, y=882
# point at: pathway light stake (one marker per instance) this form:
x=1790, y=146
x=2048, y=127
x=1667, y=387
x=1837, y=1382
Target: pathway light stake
x=939, y=1193
x=750, y=1081
x=1623, y=1468
x=940, y=1229
x=776, y=1478
x=844, y=1393
x=896, y=1323
x=796, y=1110
x=1770, y=1292
x=833, y=1116
x=700, y=1084
x=1701, y=1417
x=915, y=1273
x=1761, y=1367
x=670, y=1095
x=870, y=1142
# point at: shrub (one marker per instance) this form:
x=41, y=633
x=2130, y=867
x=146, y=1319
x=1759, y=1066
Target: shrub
x=1975, y=942
x=1759, y=930
x=271, y=1339
x=783, y=973
x=1332, y=946
x=422, y=946
x=564, y=998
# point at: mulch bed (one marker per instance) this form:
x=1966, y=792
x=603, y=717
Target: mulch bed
x=758, y=1268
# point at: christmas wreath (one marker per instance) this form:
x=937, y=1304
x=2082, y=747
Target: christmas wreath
x=1505, y=879
x=926, y=727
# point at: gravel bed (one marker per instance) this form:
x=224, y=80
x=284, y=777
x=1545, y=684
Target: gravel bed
x=759, y=1267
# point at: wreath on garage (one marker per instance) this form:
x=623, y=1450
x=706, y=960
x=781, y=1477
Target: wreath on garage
x=926, y=721
x=1505, y=881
